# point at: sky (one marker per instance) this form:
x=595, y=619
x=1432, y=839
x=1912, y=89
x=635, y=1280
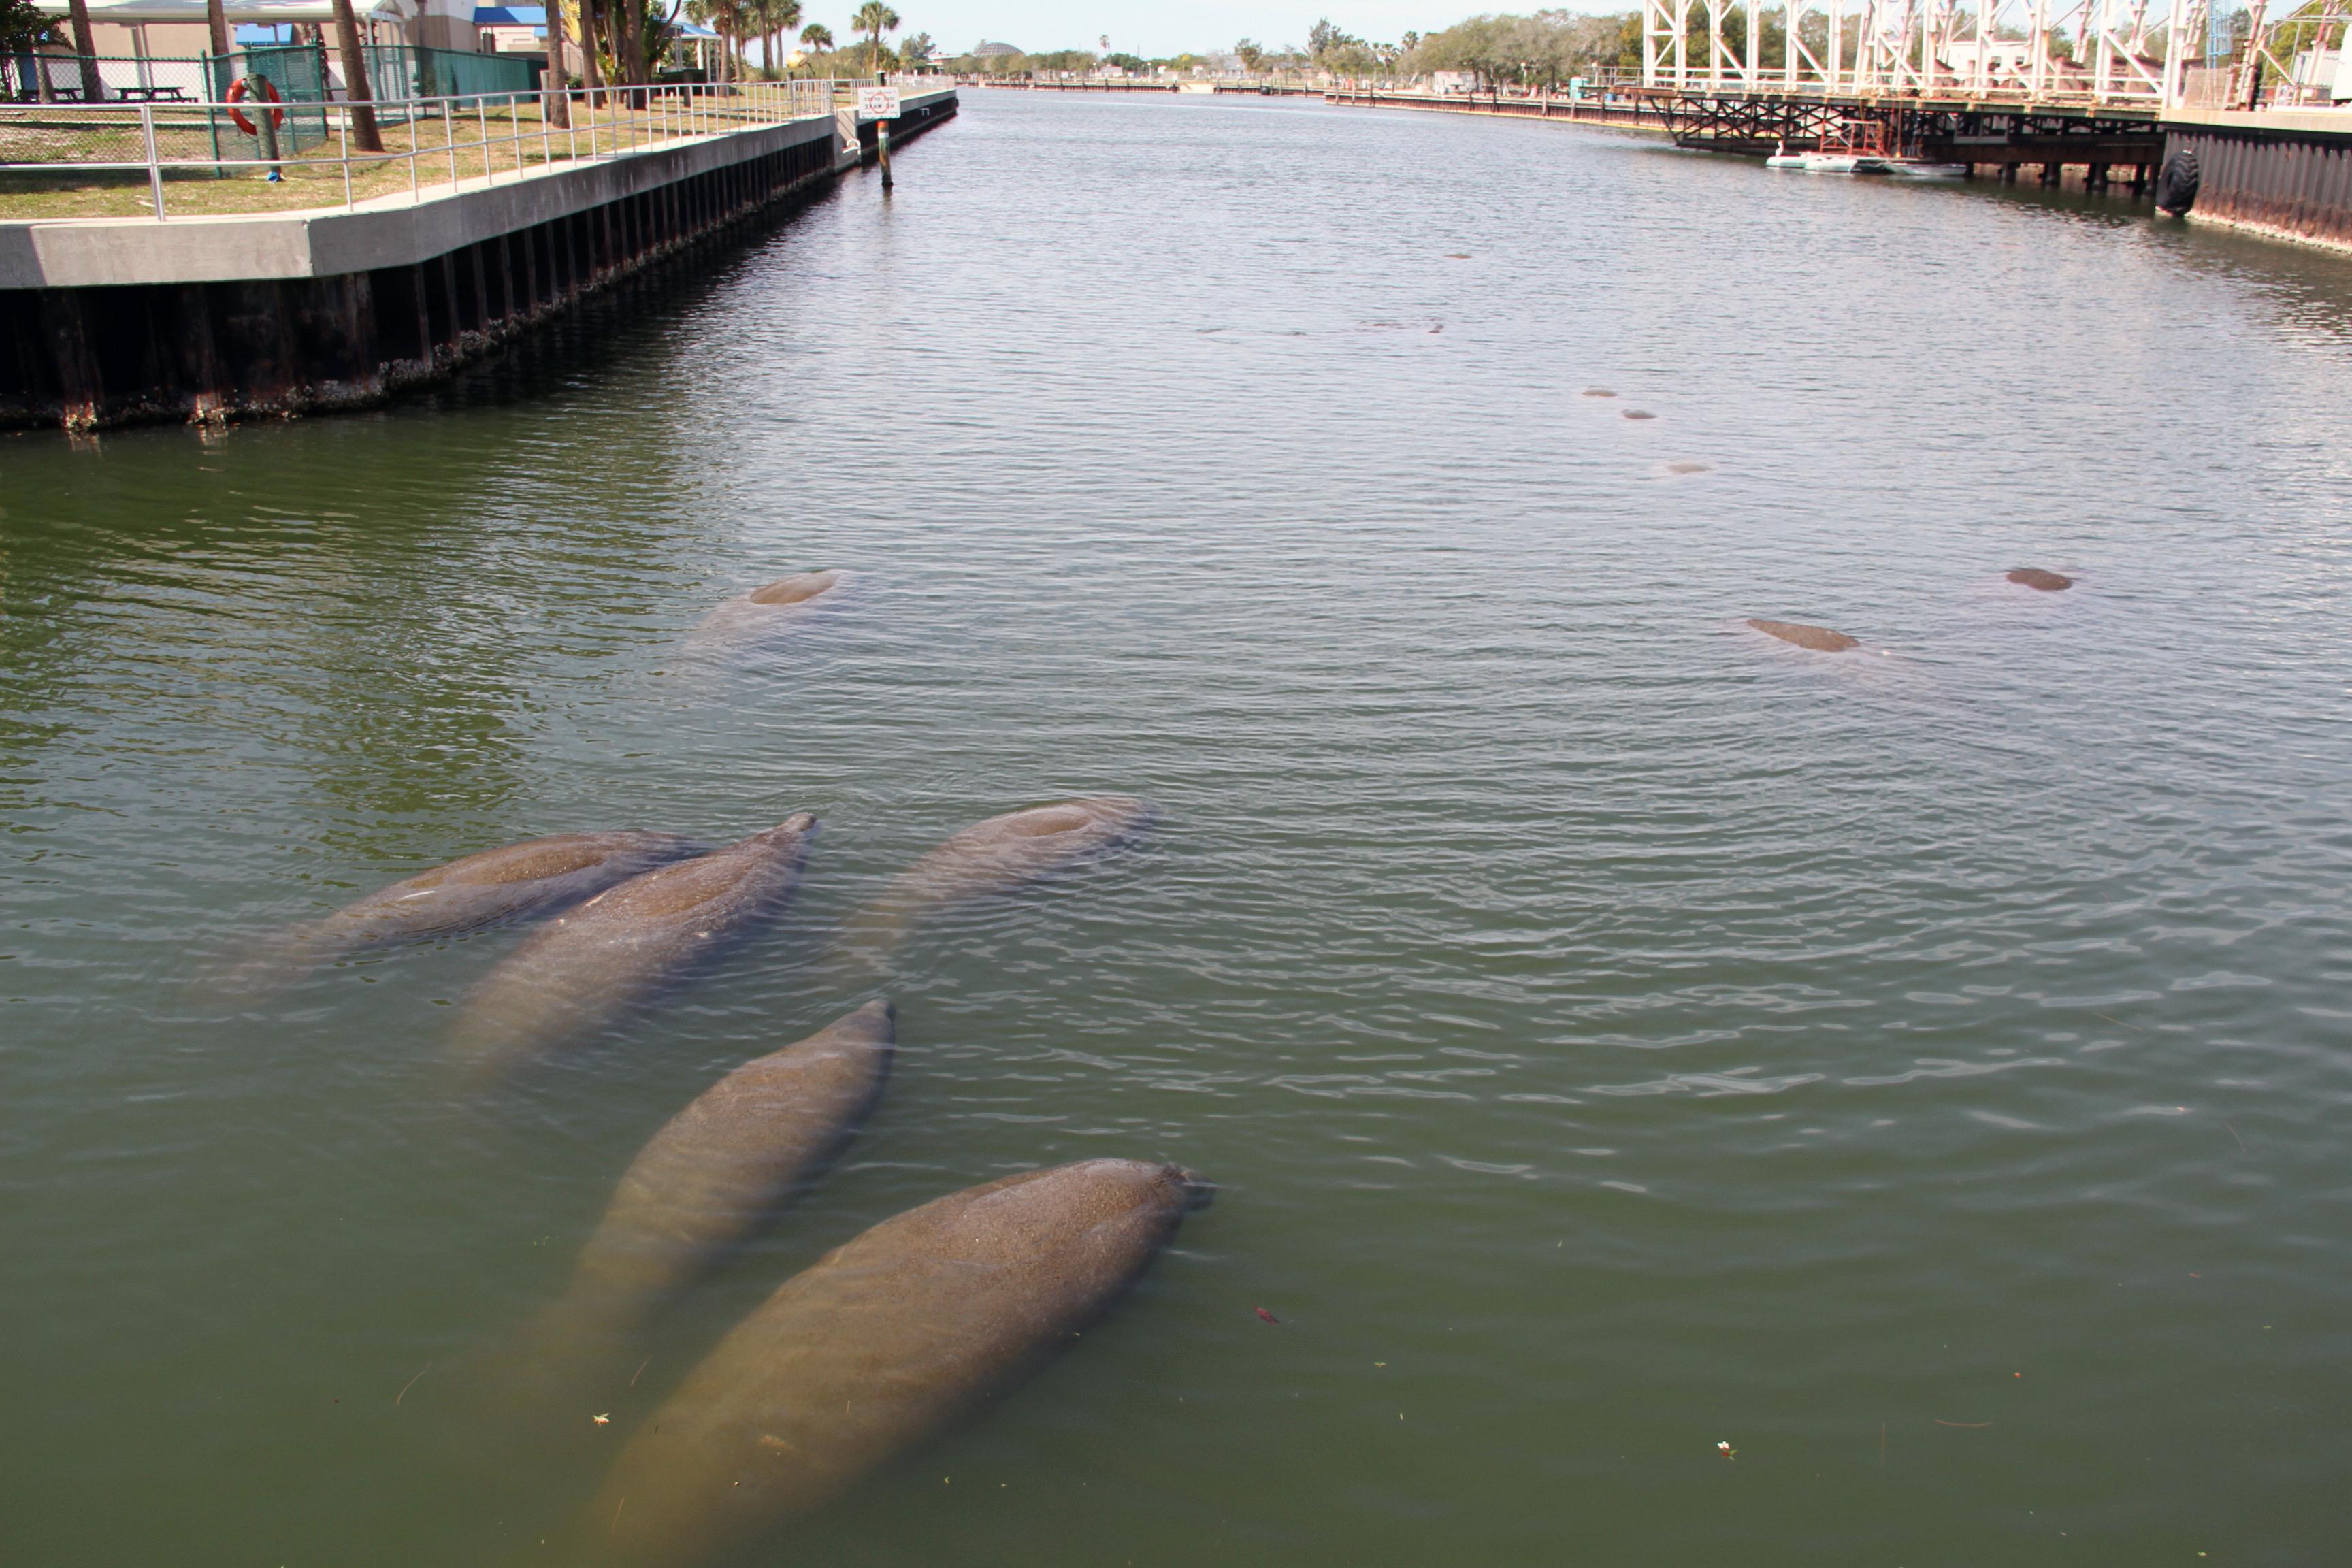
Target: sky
x=1137, y=26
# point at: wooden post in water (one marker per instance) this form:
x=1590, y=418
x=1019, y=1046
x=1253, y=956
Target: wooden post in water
x=882, y=146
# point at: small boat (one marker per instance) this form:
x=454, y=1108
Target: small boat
x=1849, y=147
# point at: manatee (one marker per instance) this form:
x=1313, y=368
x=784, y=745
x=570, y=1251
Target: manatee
x=765, y=610
x=1003, y=854
x=2035, y=577
x=519, y=880
x=1820, y=639
x=1639, y=414
x=715, y=1173
x=883, y=1344
x=624, y=946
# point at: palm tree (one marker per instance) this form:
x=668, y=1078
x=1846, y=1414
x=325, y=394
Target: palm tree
x=92, y=89
x=592, y=72
x=559, y=78
x=358, y=102
x=874, y=18
x=816, y=38
x=777, y=19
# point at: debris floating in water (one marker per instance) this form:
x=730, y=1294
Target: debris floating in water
x=605, y=1420
x=1726, y=1450
x=1269, y=1316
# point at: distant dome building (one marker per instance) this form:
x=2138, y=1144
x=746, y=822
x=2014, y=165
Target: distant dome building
x=987, y=51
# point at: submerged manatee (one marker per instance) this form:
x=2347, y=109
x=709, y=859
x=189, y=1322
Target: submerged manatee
x=881, y=1345
x=748, y=616
x=2035, y=577
x=1820, y=639
x=1001, y=854
x=532, y=878
x=626, y=945
x=711, y=1177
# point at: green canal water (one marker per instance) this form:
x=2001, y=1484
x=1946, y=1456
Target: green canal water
x=1614, y=1034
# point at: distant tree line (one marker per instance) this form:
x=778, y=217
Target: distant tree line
x=1542, y=50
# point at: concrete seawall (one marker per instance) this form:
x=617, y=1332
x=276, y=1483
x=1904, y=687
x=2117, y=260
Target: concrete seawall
x=2284, y=175
x=119, y=321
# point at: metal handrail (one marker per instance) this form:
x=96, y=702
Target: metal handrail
x=599, y=124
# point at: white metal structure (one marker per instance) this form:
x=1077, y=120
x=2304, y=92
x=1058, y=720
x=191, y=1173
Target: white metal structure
x=2152, y=53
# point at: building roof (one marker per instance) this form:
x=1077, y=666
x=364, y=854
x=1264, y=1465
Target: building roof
x=510, y=16
x=986, y=50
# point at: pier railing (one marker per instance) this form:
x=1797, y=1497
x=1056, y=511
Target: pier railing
x=79, y=160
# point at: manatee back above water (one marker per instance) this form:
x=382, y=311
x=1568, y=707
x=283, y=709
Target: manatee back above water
x=585, y=970
x=487, y=889
x=883, y=1344
x=1820, y=639
x=711, y=1177
x=1001, y=854
x=770, y=607
x=2035, y=577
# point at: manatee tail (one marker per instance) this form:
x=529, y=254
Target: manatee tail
x=577, y=1346
x=265, y=967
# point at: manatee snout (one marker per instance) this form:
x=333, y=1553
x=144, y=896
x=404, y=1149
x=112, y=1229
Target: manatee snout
x=1199, y=1191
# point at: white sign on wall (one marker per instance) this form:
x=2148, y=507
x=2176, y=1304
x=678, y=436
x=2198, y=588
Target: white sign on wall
x=877, y=102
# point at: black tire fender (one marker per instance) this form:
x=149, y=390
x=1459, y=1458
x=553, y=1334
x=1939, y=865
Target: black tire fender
x=2176, y=187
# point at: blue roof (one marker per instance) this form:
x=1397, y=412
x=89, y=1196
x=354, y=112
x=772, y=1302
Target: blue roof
x=510, y=16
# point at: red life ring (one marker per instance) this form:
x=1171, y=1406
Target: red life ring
x=239, y=89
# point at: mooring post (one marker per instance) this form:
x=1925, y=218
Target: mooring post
x=882, y=146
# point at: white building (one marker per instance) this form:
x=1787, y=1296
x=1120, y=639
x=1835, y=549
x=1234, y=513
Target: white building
x=134, y=30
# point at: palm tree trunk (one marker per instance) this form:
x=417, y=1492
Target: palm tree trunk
x=590, y=72
x=359, y=101
x=633, y=25
x=558, y=111
x=92, y=88
x=216, y=18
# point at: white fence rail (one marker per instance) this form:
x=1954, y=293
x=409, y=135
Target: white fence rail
x=432, y=146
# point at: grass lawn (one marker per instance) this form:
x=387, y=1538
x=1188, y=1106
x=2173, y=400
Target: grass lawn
x=313, y=177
